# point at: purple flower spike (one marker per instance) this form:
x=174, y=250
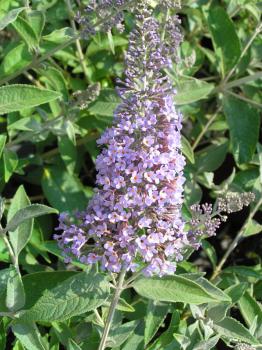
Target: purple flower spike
x=134, y=217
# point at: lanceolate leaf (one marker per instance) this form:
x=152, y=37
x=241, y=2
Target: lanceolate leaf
x=224, y=37
x=231, y=329
x=191, y=90
x=243, y=123
x=28, y=334
x=10, y=17
x=22, y=234
x=174, y=289
x=17, y=97
x=29, y=212
x=15, y=295
x=75, y=296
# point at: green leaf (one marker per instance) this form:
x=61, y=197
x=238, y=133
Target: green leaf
x=190, y=90
x=56, y=80
x=211, y=158
x=64, y=191
x=210, y=252
x=16, y=97
x=236, y=291
x=104, y=44
x=217, y=312
x=59, y=36
x=10, y=17
x=224, y=37
x=122, y=305
x=68, y=153
x=174, y=289
x=243, y=121
x=253, y=228
x=22, y=234
x=15, y=295
x=2, y=143
x=76, y=295
x=136, y=339
x=208, y=286
x=207, y=344
x=250, y=309
x=36, y=283
x=26, y=32
x=52, y=247
x=14, y=60
x=28, y=334
x=106, y=103
x=245, y=271
x=156, y=313
x=36, y=20
x=9, y=163
x=187, y=150
x=118, y=335
x=233, y=330
x=29, y=212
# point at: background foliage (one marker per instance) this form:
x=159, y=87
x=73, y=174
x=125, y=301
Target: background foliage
x=56, y=97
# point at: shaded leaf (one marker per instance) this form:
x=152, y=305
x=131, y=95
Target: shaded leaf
x=243, y=123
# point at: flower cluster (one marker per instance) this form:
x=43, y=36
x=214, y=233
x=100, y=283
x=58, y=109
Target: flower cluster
x=105, y=14
x=134, y=219
x=206, y=219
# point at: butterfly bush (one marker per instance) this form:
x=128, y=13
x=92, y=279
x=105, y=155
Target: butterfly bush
x=134, y=219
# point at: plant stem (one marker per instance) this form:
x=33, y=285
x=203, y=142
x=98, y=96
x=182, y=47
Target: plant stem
x=250, y=41
x=77, y=40
x=236, y=241
x=112, y=309
x=202, y=133
x=244, y=98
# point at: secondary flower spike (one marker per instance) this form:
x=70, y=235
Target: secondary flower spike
x=134, y=219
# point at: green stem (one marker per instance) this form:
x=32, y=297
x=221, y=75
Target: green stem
x=204, y=130
x=244, y=98
x=78, y=44
x=236, y=240
x=231, y=72
x=112, y=309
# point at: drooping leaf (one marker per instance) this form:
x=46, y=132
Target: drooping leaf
x=16, y=97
